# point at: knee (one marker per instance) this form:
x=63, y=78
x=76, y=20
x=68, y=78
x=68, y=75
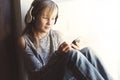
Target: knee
x=87, y=52
x=74, y=56
x=74, y=53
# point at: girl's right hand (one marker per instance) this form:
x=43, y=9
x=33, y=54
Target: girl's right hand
x=65, y=47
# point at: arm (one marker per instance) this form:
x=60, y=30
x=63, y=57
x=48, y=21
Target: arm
x=65, y=47
x=31, y=62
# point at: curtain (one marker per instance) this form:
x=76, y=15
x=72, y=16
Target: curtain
x=10, y=28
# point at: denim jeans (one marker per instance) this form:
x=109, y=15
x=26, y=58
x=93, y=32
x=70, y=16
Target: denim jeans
x=84, y=65
x=76, y=65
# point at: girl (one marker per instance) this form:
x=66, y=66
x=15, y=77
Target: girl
x=45, y=53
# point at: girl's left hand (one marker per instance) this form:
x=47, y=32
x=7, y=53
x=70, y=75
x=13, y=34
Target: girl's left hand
x=75, y=45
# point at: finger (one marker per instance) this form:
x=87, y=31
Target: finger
x=62, y=46
x=67, y=49
x=75, y=42
x=65, y=44
x=75, y=46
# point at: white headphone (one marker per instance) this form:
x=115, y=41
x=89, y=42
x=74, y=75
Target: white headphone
x=29, y=16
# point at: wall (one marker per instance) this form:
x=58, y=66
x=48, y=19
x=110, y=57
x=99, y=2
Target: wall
x=97, y=23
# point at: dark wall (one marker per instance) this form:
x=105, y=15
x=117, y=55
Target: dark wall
x=10, y=28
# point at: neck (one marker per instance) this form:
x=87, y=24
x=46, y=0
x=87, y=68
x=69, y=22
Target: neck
x=40, y=35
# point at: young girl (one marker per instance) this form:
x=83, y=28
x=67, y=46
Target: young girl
x=45, y=53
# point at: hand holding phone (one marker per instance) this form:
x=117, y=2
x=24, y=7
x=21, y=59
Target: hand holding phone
x=75, y=43
x=76, y=40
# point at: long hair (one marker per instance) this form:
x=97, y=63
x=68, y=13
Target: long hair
x=32, y=15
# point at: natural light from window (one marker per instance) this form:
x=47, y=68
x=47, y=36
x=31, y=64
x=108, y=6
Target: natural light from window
x=97, y=22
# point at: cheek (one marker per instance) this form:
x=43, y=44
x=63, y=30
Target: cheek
x=43, y=21
x=40, y=23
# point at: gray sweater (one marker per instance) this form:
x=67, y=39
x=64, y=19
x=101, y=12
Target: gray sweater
x=35, y=58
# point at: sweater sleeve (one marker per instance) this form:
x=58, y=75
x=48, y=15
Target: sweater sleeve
x=31, y=58
x=32, y=63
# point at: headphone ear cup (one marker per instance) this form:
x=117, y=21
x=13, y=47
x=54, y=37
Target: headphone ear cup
x=56, y=19
x=29, y=17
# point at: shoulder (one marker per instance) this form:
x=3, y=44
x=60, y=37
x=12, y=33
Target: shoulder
x=21, y=42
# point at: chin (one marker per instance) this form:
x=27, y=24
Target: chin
x=46, y=31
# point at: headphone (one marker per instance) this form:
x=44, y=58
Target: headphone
x=30, y=18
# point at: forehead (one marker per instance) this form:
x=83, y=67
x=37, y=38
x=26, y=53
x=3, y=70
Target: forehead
x=50, y=11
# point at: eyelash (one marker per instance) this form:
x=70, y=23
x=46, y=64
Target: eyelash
x=48, y=18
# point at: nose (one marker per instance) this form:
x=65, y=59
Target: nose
x=49, y=21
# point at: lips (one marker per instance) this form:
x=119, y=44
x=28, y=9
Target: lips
x=47, y=27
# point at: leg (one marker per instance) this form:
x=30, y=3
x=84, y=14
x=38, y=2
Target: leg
x=94, y=60
x=82, y=67
x=54, y=70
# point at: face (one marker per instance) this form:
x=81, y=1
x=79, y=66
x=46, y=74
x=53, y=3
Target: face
x=46, y=20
